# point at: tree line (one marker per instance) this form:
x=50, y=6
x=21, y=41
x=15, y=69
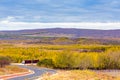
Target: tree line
x=67, y=56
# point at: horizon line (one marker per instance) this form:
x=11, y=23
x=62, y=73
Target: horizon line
x=8, y=25
x=59, y=28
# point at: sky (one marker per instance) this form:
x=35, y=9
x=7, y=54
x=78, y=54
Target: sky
x=85, y=14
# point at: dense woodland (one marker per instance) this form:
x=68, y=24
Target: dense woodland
x=65, y=56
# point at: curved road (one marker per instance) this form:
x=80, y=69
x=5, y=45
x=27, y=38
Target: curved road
x=37, y=73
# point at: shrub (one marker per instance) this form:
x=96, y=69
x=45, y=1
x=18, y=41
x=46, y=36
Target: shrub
x=65, y=59
x=46, y=63
x=66, y=56
x=85, y=63
x=113, y=60
x=110, y=60
x=88, y=61
x=4, y=61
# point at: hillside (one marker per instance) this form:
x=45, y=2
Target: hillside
x=59, y=32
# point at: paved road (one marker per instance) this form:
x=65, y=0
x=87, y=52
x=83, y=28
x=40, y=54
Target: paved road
x=37, y=73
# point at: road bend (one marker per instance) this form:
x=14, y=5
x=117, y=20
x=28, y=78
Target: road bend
x=37, y=72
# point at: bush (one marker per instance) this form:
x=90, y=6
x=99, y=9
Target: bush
x=85, y=63
x=110, y=60
x=113, y=60
x=46, y=63
x=4, y=61
x=66, y=56
x=65, y=59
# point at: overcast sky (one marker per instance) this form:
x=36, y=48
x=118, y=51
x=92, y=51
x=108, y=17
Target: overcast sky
x=32, y=14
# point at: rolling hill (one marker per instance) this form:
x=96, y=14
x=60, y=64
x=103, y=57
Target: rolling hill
x=62, y=36
x=60, y=32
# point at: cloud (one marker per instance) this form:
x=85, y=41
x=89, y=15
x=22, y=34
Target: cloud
x=61, y=10
x=9, y=18
x=7, y=25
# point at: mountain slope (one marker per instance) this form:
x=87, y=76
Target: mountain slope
x=61, y=32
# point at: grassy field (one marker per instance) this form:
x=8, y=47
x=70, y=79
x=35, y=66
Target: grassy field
x=11, y=70
x=77, y=75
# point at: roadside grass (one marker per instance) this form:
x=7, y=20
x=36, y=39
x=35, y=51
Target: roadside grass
x=11, y=70
x=77, y=75
x=115, y=73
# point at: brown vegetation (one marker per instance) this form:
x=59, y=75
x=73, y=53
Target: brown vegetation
x=77, y=75
x=11, y=70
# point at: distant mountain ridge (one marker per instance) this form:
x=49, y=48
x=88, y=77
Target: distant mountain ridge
x=61, y=32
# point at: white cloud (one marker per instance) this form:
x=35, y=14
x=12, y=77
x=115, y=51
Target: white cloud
x=8, y=25
x=6, y=20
